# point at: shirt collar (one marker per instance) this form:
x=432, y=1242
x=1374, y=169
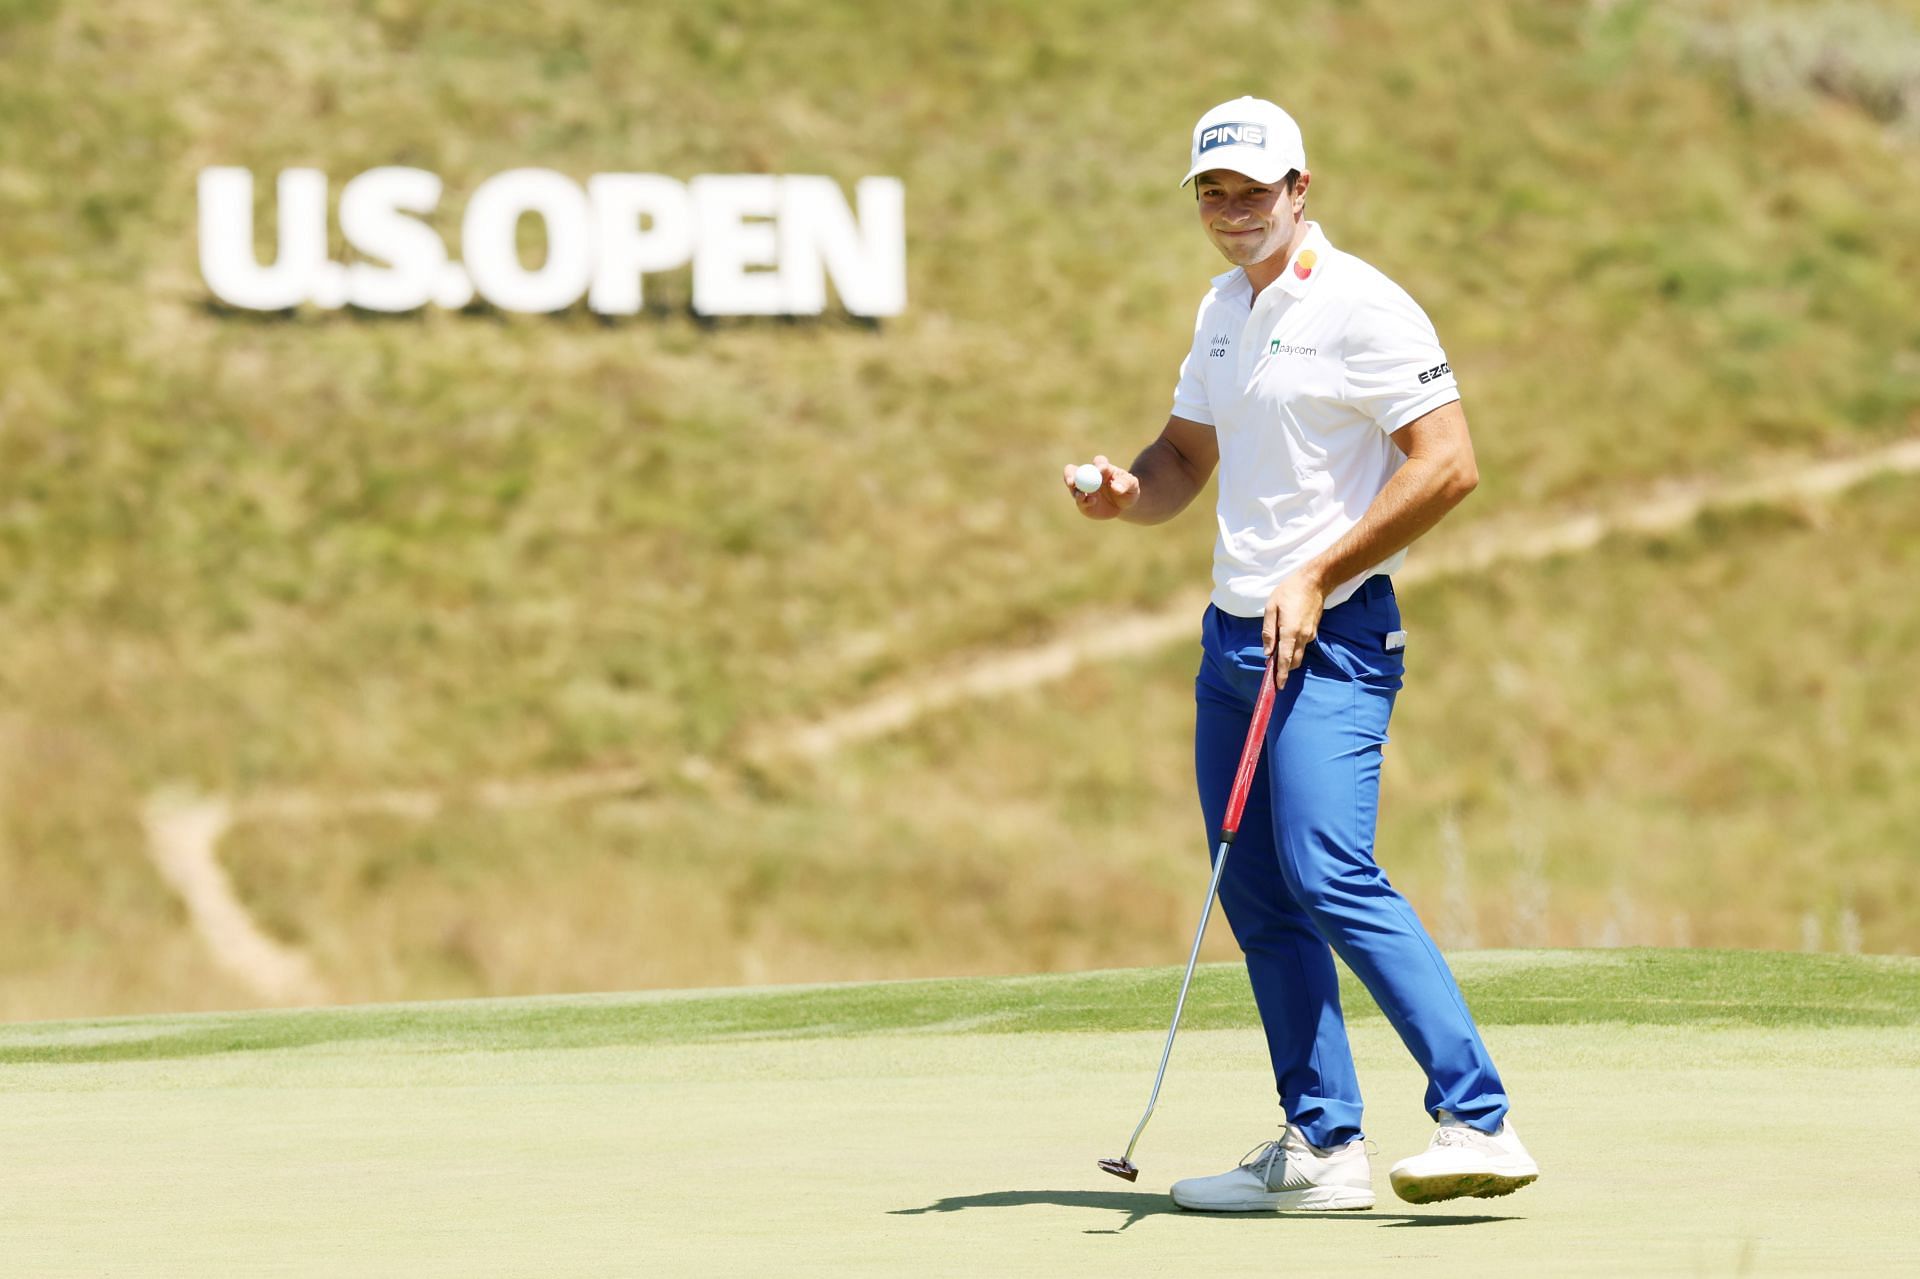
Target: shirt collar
x=1231, y=283
x=1291, y=282
x=1308, y=264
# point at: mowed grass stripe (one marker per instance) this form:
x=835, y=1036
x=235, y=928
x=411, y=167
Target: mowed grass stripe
x=1629, y=987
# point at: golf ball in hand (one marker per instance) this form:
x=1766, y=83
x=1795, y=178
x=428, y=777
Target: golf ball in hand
x=1087, y=478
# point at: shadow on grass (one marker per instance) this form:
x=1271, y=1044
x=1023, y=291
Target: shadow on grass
x=1138, y=1205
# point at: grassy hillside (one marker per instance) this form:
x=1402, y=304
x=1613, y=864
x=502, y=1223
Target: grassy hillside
x=337, y=552
x=1595, y=750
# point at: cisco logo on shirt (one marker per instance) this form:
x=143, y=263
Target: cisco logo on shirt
x=1233, y=134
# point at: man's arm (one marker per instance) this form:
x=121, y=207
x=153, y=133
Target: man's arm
x=1439, y=472
x=1165, y=477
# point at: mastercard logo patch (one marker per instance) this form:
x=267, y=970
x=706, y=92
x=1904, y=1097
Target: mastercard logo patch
x=1303, y=265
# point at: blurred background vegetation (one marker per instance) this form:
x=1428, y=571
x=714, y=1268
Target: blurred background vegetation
x=333, y=553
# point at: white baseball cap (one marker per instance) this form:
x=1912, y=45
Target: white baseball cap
x=1250, y=136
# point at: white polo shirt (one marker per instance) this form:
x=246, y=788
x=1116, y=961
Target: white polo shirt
x=1302, y=386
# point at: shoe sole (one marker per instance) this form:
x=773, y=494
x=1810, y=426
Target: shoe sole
x=1315, y=1200
x=1462, y=1185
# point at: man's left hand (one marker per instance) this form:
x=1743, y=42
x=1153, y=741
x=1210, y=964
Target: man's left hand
x=1293, y=619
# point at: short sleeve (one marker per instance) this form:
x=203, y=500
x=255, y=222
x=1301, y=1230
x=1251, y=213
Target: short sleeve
x=1190, y=393
x=1396, y=370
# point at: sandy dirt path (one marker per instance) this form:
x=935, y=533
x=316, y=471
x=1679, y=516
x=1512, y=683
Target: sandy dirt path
x=1668, y=1151
x=1445, y=554
x=185, y=829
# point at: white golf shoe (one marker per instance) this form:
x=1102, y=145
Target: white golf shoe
x=1462, y=1161
x=1291, y=1173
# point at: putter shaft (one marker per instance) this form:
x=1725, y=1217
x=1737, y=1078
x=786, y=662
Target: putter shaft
x=1236, y=805
x=1180, y=1004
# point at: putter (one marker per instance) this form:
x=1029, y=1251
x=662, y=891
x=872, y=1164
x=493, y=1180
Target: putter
x=1236, y=803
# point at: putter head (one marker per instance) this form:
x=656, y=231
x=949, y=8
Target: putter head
x=1120, y=1168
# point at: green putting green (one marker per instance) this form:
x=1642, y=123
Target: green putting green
x=1693, y=1113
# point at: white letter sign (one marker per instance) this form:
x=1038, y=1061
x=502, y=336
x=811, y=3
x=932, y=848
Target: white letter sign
x=758, y=244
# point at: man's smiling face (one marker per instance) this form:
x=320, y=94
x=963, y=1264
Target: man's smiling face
x=1247, y=221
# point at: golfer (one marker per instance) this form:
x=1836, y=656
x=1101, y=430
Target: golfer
x=1320, y=390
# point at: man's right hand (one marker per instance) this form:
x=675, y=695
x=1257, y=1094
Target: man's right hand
x=1118, y=490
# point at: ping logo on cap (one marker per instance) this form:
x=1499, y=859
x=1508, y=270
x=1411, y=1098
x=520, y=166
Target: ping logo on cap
x=1233, y=134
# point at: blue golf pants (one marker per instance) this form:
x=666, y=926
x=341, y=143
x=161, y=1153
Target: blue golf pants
x=1301, y=876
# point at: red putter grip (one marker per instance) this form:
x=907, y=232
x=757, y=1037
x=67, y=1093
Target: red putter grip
x=1250, y=754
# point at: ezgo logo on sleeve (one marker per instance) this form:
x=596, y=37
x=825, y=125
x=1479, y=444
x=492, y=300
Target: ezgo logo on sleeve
x=758, y=245
x=1233, y=134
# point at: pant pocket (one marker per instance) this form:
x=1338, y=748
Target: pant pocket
x=1372, y=665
